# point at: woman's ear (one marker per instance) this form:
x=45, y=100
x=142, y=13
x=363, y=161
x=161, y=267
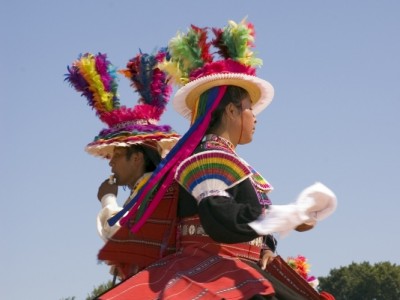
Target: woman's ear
x=231, y=111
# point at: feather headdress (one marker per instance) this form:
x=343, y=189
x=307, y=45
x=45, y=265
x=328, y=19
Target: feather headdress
x=192, y=66
x=96, y=78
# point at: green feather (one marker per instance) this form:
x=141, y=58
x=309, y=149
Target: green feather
x=185, y=50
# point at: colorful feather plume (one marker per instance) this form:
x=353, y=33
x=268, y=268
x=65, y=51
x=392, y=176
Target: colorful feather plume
x=191, y=58
x=148, y=80
x=300, y=265
x=188, y=52
x=235, y=42
x=96, y=78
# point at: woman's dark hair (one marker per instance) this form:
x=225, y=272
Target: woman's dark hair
x=151, y=156
x=233, y=94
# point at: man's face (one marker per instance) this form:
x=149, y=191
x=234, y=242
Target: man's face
x=126, y=170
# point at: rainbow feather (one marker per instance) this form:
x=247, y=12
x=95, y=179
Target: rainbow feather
x=148, y=80
x=95, y=77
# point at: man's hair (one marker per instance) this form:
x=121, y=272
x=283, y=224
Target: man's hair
x=151, y=156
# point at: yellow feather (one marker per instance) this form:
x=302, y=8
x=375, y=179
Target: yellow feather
x=102, y=99
x=173, y=70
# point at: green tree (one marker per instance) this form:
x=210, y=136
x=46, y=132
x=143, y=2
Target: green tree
x=380, y=281
x=99, y=290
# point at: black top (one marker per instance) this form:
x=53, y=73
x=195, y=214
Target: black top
x=225, y=219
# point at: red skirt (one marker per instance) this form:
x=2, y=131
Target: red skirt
x=197, y=272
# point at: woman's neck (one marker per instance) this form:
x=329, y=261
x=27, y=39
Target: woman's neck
x=221, y=140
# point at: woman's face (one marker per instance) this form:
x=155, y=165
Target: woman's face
x=248, y=122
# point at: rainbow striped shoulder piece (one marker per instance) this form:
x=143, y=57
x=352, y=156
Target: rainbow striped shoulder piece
x=211, y=173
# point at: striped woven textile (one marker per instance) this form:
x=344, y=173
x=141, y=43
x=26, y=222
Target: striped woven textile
x=194, y=273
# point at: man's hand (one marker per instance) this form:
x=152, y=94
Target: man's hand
x=267, y=257
x=107, y=188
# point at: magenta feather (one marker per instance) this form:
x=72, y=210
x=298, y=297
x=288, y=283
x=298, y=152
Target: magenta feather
x=148, y=80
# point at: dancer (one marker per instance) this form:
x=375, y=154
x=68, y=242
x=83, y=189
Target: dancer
x=226, y=217
x=133, y=143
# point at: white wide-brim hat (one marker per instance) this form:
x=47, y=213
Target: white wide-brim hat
x=261, y=92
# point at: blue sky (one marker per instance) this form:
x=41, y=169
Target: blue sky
x=335, y=66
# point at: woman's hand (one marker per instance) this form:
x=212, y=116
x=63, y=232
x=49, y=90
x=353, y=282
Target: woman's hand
x=266, y=257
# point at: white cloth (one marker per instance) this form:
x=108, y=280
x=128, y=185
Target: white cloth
x=109, y=208
x=314, y=203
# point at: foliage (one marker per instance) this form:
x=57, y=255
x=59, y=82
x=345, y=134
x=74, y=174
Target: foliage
x=380, y=281
x=99, y=290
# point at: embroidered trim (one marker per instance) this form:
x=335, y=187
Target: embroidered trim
x=212, y=193
x=213, y=141
x=134, y=122
x=198, y=230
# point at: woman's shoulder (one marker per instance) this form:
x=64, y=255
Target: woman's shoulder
x=211, y=170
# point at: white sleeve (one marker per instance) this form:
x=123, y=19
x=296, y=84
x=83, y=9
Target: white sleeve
x=109, y=208
x=313, y=204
